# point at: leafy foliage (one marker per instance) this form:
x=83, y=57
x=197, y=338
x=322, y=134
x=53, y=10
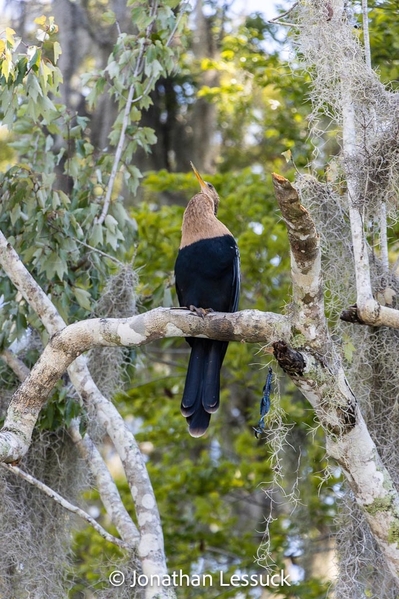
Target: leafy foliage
x=52, y=196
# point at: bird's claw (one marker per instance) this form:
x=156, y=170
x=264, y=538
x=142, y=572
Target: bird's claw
x=202, y=312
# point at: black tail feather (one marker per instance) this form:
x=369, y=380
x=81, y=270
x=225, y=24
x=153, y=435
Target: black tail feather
x=211, y=390
x=198, y=422
x=202, y=388
x=194, y=378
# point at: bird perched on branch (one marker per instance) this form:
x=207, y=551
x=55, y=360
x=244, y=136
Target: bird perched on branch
x=207, y=274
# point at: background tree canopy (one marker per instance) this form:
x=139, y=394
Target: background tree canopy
x=180, y=83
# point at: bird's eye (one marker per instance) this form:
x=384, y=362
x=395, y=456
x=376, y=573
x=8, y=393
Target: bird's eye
x=210, y=186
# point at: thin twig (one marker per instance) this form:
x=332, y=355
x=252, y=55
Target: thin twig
x=129, y=102
x=93, y=249
x=169, y=41
x=366, y=35
x=66, y=505
x=283, y=23
x=277, y=21
x=117, y=157
x=384, y=237
x=126, y=119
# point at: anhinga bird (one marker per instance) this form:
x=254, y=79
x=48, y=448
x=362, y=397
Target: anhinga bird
x=207, y=274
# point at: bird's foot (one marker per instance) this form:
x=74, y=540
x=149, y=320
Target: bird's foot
x=202, y=312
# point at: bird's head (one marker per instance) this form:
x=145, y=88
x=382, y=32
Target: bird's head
x=207, y=189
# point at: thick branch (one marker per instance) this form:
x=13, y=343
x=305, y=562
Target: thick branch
x=379, y=316
x=318, y=373
x=105, y=484
x=65, y=346
x=305, y=265
x=349, y=442
x=372, y=487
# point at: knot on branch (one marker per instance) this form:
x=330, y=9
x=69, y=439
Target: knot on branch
x=290, y=360
x=351, y=315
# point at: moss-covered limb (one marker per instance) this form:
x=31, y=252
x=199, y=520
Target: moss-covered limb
x=373, y=314
x=349, y=443
x=372, y=487
x=324, y=385
x=307, y=287
x=368, y=309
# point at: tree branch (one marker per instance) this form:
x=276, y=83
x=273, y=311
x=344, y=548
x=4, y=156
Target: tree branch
x=316, y=369
x=15, y=440
x=72, y=341
x=16, y=365
x=106, y=486
x=306, y=276
x=381, y=316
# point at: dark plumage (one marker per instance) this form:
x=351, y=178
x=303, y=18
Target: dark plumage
x=207, y=273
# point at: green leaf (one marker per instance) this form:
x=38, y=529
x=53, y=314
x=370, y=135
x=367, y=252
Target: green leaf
x=64, y=198
x=54, y=264
x=140, y=18
x=153, y=68
x=96, y=235
x=109, y=17
x=41, y=196
x=57, y=51
x=83, y=298
x=349, y=350
x=21, y=67
x=32, y=87
x=72, y=410
x=55, y=200
x=35, y=55
x=111, y=223
x=113, y=69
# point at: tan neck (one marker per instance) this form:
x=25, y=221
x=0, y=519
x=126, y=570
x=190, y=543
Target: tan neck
x=200, y=222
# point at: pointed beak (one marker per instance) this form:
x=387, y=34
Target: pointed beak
x=202, y=183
